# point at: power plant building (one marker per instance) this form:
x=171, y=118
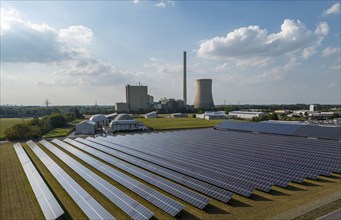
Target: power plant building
x=137, y=97
x=203, y=95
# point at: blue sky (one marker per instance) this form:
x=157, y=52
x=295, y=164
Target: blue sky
x=256, y=52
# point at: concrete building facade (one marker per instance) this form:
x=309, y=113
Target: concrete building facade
x=137, y=97
x=121, y=107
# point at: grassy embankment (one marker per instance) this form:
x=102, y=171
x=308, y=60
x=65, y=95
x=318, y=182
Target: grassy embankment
x=177, y=123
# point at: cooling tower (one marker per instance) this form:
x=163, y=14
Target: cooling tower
x=203, y=96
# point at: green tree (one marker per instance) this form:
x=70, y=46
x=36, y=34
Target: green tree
x=58, y=121
x=22, y=131
x=273, y=116
x=69, y=117
x=34, y=121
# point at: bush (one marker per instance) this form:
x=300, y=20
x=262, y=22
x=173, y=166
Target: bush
x=22, y=131
x=57, y=121
x=69, y=117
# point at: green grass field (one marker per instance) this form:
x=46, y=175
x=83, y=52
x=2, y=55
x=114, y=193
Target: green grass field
x=18, y=201
x=177, y=123
x=7, y=123
x=58, y=132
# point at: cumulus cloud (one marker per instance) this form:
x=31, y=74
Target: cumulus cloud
x=87, y=72
x=330, y=51
x=165, y=3
x=24, y=41
x=254, y=46
x=334, y=9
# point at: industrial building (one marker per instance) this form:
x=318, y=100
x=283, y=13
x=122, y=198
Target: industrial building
x=137, y=97
x=86, y=127
x=203, y=95
x=151, y=115
x=121, y=107
x=212, y=115
x=246, y=114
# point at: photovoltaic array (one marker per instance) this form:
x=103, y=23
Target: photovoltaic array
x=91, y=208
x=183, y=193
x=191, y=165
x=165, y=203
x=301, y=130
x=127, y=204
x=235, y=161
x=48, y=203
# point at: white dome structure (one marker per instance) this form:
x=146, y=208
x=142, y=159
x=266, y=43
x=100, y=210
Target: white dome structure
x=100, y=121
x=123, y=116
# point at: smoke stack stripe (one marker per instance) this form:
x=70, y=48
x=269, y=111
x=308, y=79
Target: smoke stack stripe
x=185, y=86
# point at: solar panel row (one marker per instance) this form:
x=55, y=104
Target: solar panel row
x=302, y=130
x=269, y=158
x=165, y=203
x=240, y=188
x=207, y=189
x=91, y=208
x=174, y=189
x=192, y=141
x=48, y=203
x=124, y=202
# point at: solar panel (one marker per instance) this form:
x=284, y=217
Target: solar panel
x=279, y=159
x=91, y=208
x=183, y=193
x=165, y=203
x=323, y=132
x=47, y=202
x=236, y=187
x=207, y=189
x=131, y=207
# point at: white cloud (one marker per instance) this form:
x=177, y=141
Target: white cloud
x=333, y=85
x=87, y=72
x=334, y=9
x=330, y=51
x=308, y=52
x=254, y=46
x=164, y=3
x=24, y=41
x=276, y=73
x=136, y=1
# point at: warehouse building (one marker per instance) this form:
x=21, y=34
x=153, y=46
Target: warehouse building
x=86, y=127
x=246, y=114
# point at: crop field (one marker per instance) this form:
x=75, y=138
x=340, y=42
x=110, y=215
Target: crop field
x=303, y=201
x=178, y=123
x=8, y=122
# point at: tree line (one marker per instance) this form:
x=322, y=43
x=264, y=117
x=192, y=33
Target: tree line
x=36, y=127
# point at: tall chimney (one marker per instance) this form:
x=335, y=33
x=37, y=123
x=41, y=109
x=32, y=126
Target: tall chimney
x=185, y=86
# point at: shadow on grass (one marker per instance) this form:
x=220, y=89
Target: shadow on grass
x=235, y=203
x=322, y=180
x=305, y=183
x=256, y=197
x=332, y=176
x=277, y=193
x=211, y=209
x=294, y=188
x=186, y=215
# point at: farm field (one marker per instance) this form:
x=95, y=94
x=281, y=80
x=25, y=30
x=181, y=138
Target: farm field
x=177, y=123
x=280, y=203
x=8, y=122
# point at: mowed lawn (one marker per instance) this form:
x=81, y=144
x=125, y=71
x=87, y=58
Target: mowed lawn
x=18, y=201
x=178, y=123
x=7, y=123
